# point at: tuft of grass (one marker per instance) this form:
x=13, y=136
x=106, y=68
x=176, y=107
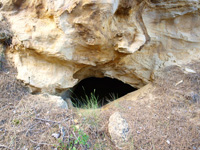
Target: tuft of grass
x=87, y=102
x=92, y=100
x=111, y=97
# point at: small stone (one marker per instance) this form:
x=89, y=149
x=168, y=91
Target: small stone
x=56, y=135
x=195, y=97
x=138, y=132
x=168, y=142
x=48, y=124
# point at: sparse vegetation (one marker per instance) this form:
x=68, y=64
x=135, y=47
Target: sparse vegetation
x=82, y=138
x=87, y=102
x=75, y=141
x=92, y=101
x=16, y=122
x=167, y=117
x=112, y=97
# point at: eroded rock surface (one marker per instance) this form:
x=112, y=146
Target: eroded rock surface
x=56, y=44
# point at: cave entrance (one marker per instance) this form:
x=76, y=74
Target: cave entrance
x=95, y=92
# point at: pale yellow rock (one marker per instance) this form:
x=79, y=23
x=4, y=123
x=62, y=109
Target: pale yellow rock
x=58, y=43
x=118, y=129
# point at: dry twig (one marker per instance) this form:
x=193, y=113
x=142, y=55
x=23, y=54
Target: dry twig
x=4, y=146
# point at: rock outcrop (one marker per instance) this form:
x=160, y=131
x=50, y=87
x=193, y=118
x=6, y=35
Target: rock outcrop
x=55, y=44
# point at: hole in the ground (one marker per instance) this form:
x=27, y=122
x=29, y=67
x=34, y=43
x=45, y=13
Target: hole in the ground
x=92, y=91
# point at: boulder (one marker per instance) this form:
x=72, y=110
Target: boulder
x=118, y=129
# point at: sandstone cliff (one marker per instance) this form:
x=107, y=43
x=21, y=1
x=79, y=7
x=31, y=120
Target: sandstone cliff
x=57, y=43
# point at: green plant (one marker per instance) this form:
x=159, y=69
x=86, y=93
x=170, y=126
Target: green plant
x=61, y=146
x=87, y=102
x=82, y=138
x=75, y=141
x=16, y=122
x=91, y=102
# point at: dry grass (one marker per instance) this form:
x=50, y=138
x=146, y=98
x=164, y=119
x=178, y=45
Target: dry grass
x=166, y=118
x=28, y=121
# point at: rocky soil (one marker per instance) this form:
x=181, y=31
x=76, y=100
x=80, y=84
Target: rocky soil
x=162, y=115
x=47, y=47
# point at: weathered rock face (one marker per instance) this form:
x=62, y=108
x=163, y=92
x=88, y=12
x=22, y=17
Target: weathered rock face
x=56, y=44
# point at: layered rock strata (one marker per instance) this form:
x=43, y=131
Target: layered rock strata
x=56, y=44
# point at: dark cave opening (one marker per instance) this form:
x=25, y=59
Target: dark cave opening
x=104, y=90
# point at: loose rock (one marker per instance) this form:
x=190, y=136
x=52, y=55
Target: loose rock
x=56, y=135
x=118, y=129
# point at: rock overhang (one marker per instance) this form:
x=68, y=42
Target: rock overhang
x=57, y=44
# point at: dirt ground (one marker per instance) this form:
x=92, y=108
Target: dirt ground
x=164, y=115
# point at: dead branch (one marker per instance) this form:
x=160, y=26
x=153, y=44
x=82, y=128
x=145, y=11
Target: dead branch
x=31, y=128
x=40, y=143
x=47, y=120
x=4, y=146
